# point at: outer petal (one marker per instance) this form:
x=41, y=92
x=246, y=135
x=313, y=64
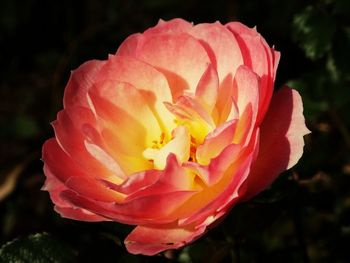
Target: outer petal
x=150, y=209
x=73, y=127
x=65, y=209
x=130, y=46
x=150, y=82
x=148, y=240
x=260, y=58
x=174, y=26
x=62, y=168
x=80, y=82
x=79, y=214
x=221, y=46
x=183, y=67
x=281, y=143
x=246, y=95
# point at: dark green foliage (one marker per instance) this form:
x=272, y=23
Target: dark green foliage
x=314, y=31
x=38, y=248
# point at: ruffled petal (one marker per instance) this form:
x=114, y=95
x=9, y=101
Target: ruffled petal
x=215, y=142
x=156, y=208
x=60, y=166
x=74, y=127
x=148, y=240
x=183, y=67
x=65, y=209
x=79, y=214
x=227, y=174
x=191, y=113
x=179, y=145
x=207, y=89
x=246, y=95
x=150, y=82
x=260, y=58
x=173, y=26
x=221, y=46
x=281, y=143
x=81, y=80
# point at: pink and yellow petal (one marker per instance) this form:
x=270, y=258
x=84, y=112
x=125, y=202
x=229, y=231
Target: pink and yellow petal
x=179, y=146
x=207, y=89
x=215, y=142
x=74, y=128
x=126, y=97
x=228, y=173
x=173, y=178
x=72, y=176
x=150, y=82
x=246, y=95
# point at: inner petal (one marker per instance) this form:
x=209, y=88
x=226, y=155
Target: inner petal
x=128, y=126
x=179, y=145
x=190, y=113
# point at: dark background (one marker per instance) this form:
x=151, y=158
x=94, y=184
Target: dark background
x=303, y=217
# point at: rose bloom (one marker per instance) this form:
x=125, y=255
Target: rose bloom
x=172, y=131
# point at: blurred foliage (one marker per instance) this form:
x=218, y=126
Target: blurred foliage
x=303, y=217
x=39, y=248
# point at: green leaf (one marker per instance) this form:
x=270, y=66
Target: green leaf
x=313, y=30
x=25, y=127
x=38, y=248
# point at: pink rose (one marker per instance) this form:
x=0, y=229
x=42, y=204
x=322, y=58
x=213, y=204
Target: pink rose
x=172, y=131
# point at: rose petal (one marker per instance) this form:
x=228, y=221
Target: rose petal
x=221, y=46
x=60, y=166
x=190, y=113
x=228, y=172
x=183, y=67
x=135, y=182
x=246, y=95
x=65, y=209
x=73, y=127
x=207, y=89
x=126, y=136
x=80, y=82
x=281, y=143
x=179, y=145
x=150, y=82
x=157, y=208
x=148, y=240
x=79, y=214
x=125, y=99
x=173, y=26
x=215, y=142
x=259, y=57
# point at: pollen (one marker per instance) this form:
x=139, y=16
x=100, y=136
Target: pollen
x=157, y=144
x=193, y=149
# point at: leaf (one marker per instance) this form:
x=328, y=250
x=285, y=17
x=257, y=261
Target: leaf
x=313, y=31
x=38, y=248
